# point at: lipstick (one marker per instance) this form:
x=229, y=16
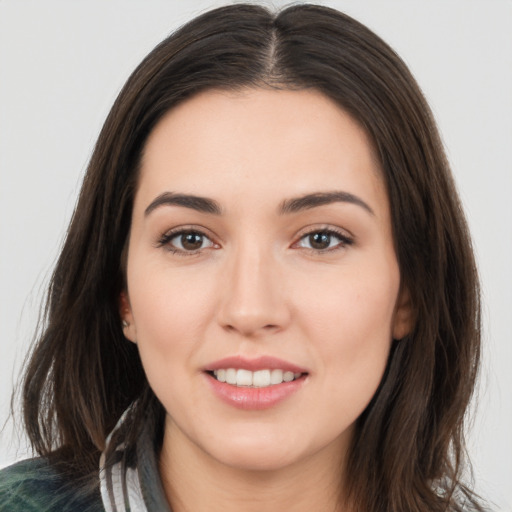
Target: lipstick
x=254, y=384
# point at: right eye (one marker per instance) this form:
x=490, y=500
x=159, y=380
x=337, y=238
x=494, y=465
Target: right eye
x=185, y=242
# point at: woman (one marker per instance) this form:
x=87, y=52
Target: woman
x=267, y=292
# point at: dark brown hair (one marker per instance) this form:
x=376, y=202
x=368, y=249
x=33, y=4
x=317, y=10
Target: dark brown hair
x=408, y=450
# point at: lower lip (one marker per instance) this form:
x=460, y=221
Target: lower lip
x=254, y=399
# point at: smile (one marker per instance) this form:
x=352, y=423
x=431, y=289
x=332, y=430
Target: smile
x=257, y=379
x=254, y=383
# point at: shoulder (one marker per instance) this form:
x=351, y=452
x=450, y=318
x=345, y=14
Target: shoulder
x=34, y=485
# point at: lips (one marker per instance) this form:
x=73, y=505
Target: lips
x=254, y=383
x=253, y=365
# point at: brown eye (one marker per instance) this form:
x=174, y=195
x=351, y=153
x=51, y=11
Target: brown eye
x=319, y=240
x=191, y=241
x=324, y=241
x=188, y=241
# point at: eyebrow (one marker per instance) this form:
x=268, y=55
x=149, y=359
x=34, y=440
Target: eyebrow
x=308, y=201
x=294, y=205
x=200, y=204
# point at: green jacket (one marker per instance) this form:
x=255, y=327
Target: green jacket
x=34, y=486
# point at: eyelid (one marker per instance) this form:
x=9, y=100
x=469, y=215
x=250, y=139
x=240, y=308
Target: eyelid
x=164, y=239
x=345, y=237
x=317, y=228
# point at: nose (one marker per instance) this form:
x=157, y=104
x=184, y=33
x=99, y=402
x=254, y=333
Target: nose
x=254, y=301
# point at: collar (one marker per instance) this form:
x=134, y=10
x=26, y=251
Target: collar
x=134, y=486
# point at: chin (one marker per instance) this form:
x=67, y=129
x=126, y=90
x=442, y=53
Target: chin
x=270, y=450
x=262, y=458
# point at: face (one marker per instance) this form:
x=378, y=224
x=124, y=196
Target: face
x=263, y=289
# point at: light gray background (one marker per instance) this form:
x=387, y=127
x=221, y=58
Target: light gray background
x=62, y=64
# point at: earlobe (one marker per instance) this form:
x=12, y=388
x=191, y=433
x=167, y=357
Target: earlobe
x=125, y=311
x=404, y=317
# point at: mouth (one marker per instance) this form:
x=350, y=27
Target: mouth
x=254, y=384
x=254, y=379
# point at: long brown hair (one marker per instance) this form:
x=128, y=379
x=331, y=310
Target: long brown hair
x=408, y=451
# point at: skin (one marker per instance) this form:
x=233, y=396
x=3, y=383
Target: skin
x=256, y=287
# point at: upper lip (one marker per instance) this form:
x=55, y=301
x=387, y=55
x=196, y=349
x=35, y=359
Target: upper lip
x=258, y=363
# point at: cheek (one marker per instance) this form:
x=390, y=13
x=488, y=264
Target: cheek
x=350, y=322
x=162, y=297
x=170, y=310
x=349, y=303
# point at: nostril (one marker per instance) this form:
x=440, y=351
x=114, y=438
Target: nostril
x=250, y=330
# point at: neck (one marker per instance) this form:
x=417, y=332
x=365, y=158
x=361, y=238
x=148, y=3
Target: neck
x=195, y=482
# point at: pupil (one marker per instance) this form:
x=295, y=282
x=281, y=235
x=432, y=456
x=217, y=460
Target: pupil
x=319, y=240
x=191, y=241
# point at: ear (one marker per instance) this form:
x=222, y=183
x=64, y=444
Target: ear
x=125, y=311
x=404, y=317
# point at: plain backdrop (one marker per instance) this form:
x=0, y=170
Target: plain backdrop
x=62, y=64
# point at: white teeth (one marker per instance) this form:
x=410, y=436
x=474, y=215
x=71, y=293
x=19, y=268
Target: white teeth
x=243, y=378
x=231, y=376
x=261, y=379
x=258, y=379
x=276, y=376
x=288, y=376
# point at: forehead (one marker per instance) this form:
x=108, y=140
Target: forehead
x=258, y=141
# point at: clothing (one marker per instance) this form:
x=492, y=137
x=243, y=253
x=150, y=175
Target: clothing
x=35, y=486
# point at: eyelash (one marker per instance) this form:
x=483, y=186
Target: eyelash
x=166, y=238
x=343, y=238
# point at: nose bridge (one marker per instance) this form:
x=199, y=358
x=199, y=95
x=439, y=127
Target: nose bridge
x=253, y=301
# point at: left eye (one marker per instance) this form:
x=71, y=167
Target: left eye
x=323, y=240
x=189, y=241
